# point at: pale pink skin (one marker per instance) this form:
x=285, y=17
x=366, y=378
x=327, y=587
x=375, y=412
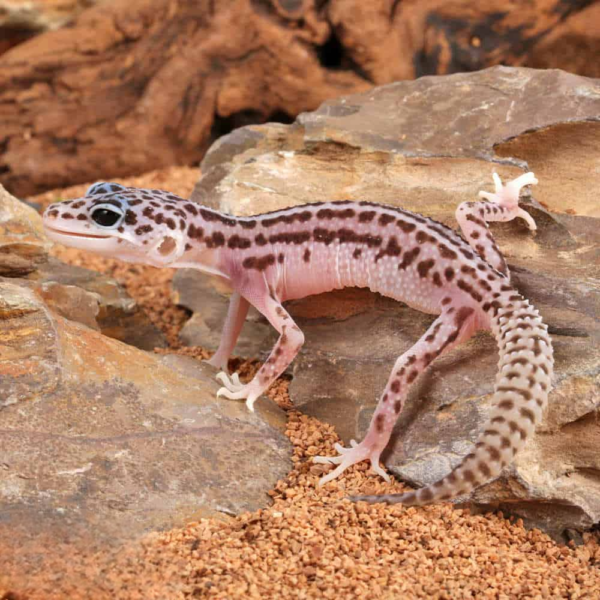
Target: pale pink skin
x=315, y=248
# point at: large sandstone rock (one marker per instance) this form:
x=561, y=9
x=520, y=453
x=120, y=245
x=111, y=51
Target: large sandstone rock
x=133, y=86
x=23, y=244
x=102, y=442
x=427, y=146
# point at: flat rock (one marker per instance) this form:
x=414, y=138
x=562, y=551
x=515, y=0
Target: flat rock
x=23, y=244
x=102, y=442
x=97, y=301
x=426, y=146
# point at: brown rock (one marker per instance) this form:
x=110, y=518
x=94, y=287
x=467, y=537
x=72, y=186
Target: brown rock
x=23, y=244
x=97, y=301
x=148, y=83
x=427, y=146
x=102, y=442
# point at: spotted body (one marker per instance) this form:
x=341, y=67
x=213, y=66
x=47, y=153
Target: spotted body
x=319, y=247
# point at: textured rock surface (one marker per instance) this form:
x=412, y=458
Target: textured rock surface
x=97, y=301
x=427, y=146
x=102, y=442
x=23, y=245
x=133, y=86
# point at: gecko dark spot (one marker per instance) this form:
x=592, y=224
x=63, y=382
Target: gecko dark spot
x=395, y=387
x=468, y=475
x=412, y=376
x=392, y=249
x=357, y=252
x=506, y=405
x=446, y=301
x=78, y=204
x=159, y=218
x=437, y=280
x=261, y=240
x=194, y=232
x=411, y=360
x=467, y=270
x=477, y=221
x=367, y=216
x=484, y=469
x=130, y=218
x=466, y=253
x=449, y=273
x=70, y=216
x=306, y=255
x=148, y=212
x=514, y=427
x=181, y=224
x=143, y=229
x=170, y=223
x=191, y=209
x=527, y=414
x=427, y=357
x=121, y=229
x=462, y=315
x=424, y=266
x=485, y=285
x=298, y=237
x=324, y=236
x=505, y=442
x=235, y=241
x=384, y=398
x=215, y=240
x=188, y=246
x=379, y=422
x=280, y=258
x=247, y=224
x=498, y=420
x=493, y=452
x=260, y=264
x=325, y=213
x=406, y=226
x=475, y=235
x=492, y=432
x=446, y=252
x=81, y=217
x=386, y=219
x=409, y=258
x=397, y=406
x=53, y=213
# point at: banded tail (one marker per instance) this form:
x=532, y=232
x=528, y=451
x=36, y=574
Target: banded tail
x=521, y=395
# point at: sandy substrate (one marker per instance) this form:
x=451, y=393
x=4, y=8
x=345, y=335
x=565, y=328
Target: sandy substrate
x=312, y=542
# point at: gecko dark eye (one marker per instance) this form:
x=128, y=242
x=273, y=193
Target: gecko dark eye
x=106, y=216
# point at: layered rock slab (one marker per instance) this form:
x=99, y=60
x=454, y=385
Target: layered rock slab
x=102, y=442
x=427, y=146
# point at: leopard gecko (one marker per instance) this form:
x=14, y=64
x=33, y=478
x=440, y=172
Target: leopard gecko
x=315, y=248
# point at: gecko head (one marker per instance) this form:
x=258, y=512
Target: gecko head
x=135, y=225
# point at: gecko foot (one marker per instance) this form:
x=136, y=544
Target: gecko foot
x=508, y=195
x=348, y=457
x=234, y=389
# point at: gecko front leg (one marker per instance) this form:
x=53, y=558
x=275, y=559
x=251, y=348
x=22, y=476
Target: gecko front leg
x=503, y=205
x=287, y=346
x=236, y=315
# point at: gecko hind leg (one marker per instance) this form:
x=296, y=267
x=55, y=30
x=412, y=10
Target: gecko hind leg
x=456, y=324
x=348, y=457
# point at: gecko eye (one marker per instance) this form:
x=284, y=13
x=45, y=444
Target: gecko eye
x=106, y=215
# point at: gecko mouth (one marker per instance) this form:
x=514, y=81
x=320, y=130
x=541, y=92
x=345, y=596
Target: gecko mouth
x=81, y=235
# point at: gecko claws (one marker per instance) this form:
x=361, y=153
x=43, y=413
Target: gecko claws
x=348, y=457
x=231, y=382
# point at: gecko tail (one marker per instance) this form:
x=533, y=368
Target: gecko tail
x=521, y=395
